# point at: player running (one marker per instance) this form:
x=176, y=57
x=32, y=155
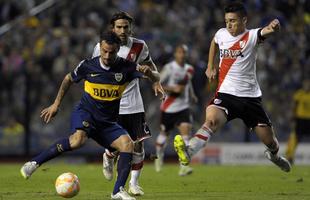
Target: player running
x=176, y=79
x=238, y=94
x=106, y=78
x=131, y=112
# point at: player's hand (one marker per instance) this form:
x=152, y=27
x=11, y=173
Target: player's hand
x=48, y=113
x=144, y=69
x=157, y=87
x=274, y=25
x=211, y=73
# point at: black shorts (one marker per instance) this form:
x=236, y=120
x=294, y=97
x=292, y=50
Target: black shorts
x=135, y=125
x=302, y=127
x=249, y=109
x=170, y=120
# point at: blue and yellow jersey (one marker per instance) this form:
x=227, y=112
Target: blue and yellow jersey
x=104, y=86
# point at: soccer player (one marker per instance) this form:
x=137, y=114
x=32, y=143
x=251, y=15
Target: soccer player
x=131, y=112
x=176, y=79
x=105, y=79
x=301, y=113
x=238, y=94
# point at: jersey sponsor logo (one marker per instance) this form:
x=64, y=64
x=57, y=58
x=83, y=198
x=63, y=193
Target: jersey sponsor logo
x=118, y=76
x=230, y=53
x=104, y=92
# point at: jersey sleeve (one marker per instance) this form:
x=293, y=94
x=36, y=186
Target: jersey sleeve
x=132, y=71
x=216, y=36
x=165, y=72
x=79, y=72
x=297, y=95
x=145, y=54
x=96, y=51
x=254, y=36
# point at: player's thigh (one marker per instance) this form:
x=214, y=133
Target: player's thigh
x=123, y=143
x=215, y=117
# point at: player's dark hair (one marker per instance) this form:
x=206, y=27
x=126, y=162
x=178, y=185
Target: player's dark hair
x=236, y=7
x=110, y=38
x=120, y=15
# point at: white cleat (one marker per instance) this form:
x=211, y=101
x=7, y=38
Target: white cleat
x=278, y=160
x=107, y=167
x=185, y=170
x=122, y=194
x=135, y=190
x=28, y=168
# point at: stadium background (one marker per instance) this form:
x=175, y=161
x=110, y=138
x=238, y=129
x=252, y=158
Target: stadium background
x=36, y=51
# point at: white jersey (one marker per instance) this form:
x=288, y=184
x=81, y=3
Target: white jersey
x=237, y=69
x=136, y=51
x=171, y=75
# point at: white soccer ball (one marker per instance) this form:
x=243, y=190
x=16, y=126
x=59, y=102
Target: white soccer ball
x=67, y=185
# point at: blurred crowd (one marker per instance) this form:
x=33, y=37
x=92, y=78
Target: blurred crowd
x=39, y=50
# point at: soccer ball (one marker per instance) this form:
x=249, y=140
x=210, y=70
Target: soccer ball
x=67, y=185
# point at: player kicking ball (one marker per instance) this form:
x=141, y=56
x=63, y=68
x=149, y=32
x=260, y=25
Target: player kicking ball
x=238, y=94
x=105, y=79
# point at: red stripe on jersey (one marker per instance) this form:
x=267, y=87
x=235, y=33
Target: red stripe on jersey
x=190, y=71
x=167, y=103
x=134, y=51
x=228, y=62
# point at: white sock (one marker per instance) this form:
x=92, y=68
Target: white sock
x=135, y=174
x=186, y=139
x=137, y=164
x=160, y=144
x=200, y=139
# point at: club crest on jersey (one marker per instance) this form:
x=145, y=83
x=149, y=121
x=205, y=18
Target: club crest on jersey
x=217, y=101
x=118, y=76
x=242, y=44
x=133, y=56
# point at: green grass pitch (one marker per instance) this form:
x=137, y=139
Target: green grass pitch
x=207, y=182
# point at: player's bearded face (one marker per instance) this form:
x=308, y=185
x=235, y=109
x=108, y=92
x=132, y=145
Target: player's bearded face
x=180, y=55
x=234, y=23
x=122, y=28
x=108, y=53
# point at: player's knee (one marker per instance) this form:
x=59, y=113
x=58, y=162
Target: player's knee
x=126, y=145
x=77, y=140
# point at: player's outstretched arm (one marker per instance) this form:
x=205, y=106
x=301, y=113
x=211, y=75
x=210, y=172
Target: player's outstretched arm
x=272, y=27
x=211, y=69
x=150, y=74
x=48, y=113
x=157, y=87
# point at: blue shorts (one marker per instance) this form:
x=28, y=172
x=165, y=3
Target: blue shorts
x=104, y=133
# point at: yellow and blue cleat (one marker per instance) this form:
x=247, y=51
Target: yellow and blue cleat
x=180, y=148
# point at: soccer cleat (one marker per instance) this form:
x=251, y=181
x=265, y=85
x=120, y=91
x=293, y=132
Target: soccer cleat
x=180, y=148
x=107, y=167
x=278, y=160
x=28, y=168
x=135, y=190
x=185, y=170
x=122, y=195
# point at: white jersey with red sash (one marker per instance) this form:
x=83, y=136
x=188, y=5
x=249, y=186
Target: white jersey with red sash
x=171, y=75
x=237, y=68
x=137, y=51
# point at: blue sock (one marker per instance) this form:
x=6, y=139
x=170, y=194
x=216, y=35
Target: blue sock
x=53, y=151
x=123, y=169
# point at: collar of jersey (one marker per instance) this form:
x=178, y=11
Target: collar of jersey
x=103, y=66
